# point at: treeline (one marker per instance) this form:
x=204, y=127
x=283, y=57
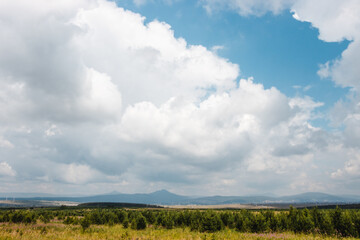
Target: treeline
x=328, y=222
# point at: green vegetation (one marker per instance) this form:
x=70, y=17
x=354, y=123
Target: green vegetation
x=317, y=223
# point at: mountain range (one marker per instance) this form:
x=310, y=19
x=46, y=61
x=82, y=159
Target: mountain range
x=164, y=197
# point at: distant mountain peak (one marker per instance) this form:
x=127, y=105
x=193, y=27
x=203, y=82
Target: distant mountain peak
x=164, y=197
x=162, y=192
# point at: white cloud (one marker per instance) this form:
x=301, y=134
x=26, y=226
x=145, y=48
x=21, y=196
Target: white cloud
x=101, y=96
x=91, y=92
x=5, y=143
x=335, y=20
x=79, y=72
x=56, y=85
x=52, y=131
x=6, y=170
x=344, y=71
x=304, y=184
x=347, y=115
x=77, y=174
x=161, y=60
x=217, y=48
x=338, y=20
x=223, y=120
x=351, y=168
x=324, y=70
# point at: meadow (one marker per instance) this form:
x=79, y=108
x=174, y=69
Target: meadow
x=92, y=223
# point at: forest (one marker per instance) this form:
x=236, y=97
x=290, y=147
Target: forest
x=331, y=222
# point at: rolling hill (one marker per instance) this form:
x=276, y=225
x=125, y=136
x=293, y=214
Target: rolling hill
x=164, y=197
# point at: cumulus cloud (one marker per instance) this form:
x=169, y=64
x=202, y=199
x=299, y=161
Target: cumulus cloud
x=348, y=173
x=65, y=88
x=161, y=60
x=77, y=174
x=6, y=170
x=336, y=21
x=5, y=143
x=344, y=71
x=44, y=68
x=90, y=93
x=207, y=129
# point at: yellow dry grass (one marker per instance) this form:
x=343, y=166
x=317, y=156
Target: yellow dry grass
x=56, y=231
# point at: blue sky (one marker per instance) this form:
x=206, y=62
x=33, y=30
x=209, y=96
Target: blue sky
x=275, y=49
x=209, y=97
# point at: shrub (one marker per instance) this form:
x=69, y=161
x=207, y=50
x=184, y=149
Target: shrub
x=258, y=223
x=138, y=222
x=85, y=223
x=211, y=222
x=168, y=222
x=126, y=223
x=242, y=221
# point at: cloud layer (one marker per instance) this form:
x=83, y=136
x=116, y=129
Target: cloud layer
x=336, y=21
x=92, y=98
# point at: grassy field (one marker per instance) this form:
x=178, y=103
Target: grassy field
x=62, y=231
x=145, y=223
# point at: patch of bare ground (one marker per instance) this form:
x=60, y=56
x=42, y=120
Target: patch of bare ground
x=36, y=203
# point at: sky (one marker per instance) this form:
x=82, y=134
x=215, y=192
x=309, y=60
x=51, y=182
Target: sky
x=203, y=97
